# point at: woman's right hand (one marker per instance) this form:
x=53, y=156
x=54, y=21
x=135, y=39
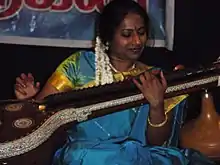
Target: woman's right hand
x=25, y=87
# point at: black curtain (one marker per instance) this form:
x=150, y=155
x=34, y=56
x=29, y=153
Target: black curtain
x=196, y=43
x=197, y=32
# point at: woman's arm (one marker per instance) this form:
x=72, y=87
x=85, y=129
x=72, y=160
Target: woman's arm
x=60, y=81
x=48, y=89
x=153, y=90
x=159, y=126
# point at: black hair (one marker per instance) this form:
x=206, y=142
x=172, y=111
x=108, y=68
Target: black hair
x=112, y=16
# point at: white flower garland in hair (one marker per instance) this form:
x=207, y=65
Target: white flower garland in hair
x=103, y=73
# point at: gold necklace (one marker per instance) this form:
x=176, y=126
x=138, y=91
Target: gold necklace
x=115, y=70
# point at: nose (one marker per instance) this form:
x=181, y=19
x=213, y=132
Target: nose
x=136, y=39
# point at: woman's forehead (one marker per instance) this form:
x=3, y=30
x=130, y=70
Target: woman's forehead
x=132, y=21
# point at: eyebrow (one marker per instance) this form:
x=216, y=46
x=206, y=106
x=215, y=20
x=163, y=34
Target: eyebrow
x=131, y=29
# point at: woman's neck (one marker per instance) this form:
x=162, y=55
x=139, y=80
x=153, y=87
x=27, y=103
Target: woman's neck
x=119, y=65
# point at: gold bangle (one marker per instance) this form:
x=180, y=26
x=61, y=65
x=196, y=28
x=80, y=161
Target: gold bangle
x=158, y=125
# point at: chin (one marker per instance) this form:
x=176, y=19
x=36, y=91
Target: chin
x=135, y=56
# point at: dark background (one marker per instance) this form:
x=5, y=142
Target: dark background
x=196, y=43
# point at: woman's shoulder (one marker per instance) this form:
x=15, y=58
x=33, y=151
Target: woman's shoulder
x=75, y=59
x=81, y=55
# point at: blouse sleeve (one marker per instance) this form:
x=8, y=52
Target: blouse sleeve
x=65, y=76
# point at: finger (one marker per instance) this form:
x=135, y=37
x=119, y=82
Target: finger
x=23, y=76
x=163, y=80
x=30, y=77
x=29, y=84
x=38, y=85
x=21, y=82
x=153, y=82
x=155, y=72
x=19, y=90
x=142, y=79
x=19, y=85
x=179, y=67
x=153, y=77
x=147, y=76
x=19, y=95
x=150, y=78
x=145, y=81
x=140, y=87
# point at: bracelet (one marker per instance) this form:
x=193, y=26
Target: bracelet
x=158, y=125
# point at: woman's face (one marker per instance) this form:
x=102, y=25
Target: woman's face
x=129, y=39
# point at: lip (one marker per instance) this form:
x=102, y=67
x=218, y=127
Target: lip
x=136, y=50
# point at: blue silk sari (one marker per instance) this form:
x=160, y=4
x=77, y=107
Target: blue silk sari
x=119, y=138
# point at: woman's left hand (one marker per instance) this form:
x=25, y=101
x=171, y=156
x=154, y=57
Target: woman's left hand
x=152, y=88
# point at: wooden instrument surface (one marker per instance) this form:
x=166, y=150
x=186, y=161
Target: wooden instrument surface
x=26, y=129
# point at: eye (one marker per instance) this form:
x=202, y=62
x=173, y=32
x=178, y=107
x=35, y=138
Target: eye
x=141, y=31
x=126, y=33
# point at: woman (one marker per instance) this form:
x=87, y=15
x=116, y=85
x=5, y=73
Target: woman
x=134, y=136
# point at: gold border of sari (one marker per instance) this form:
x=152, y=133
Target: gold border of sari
x=60, y=82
